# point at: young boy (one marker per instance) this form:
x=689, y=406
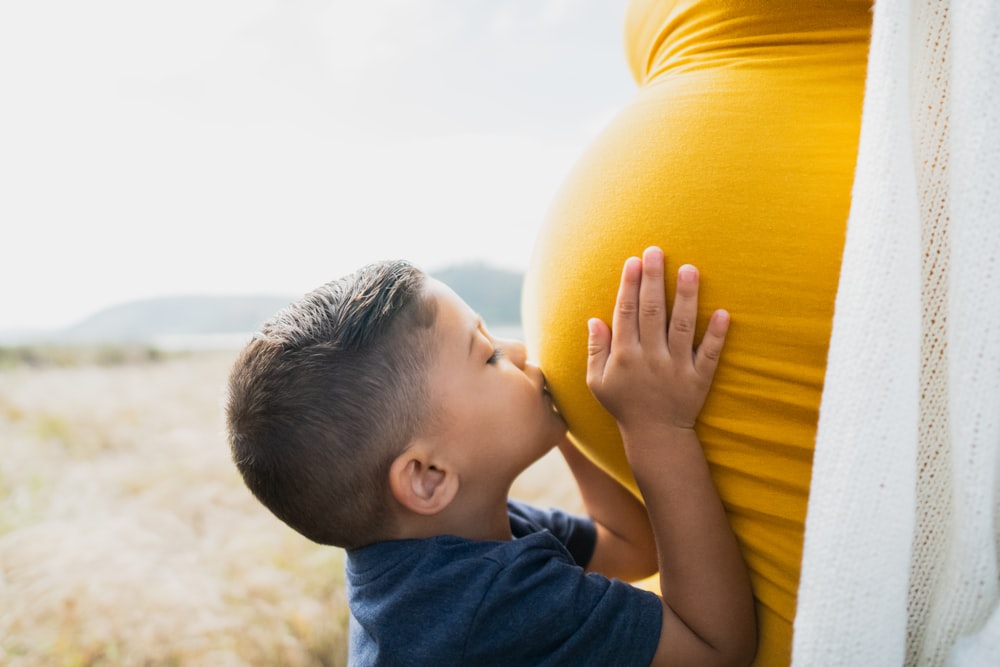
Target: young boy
x=380, y=415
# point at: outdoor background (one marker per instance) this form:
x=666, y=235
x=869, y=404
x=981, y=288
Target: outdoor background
x=266, y=146
x=172, y=172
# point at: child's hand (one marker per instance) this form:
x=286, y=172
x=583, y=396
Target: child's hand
x=654, y=383
x=643, y=373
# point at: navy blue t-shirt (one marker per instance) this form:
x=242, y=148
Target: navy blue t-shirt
x=447, y=600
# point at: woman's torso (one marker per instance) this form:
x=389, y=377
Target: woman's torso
x=737, y=155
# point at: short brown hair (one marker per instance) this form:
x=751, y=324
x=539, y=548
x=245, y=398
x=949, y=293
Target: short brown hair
x=329, y=392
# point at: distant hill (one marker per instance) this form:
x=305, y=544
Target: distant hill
x=149, y=319
x=494, y=293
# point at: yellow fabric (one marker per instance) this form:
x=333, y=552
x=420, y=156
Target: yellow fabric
x=736, y=155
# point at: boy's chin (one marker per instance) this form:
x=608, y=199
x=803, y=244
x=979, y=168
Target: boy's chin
x=558, y=435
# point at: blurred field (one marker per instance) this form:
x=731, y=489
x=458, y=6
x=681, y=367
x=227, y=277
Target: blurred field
x=128, y=538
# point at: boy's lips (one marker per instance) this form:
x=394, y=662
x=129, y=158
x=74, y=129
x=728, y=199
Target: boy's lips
x=548, y=397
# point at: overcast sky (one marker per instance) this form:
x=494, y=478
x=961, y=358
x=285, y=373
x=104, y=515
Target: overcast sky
x=245, y=146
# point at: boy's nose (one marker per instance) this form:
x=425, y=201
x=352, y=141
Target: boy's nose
x=515, y=351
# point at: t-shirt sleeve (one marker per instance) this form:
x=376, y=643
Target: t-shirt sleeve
x=543, y=610
x=577, y=533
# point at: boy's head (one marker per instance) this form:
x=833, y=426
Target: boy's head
x=329, y=392
x=379, y=406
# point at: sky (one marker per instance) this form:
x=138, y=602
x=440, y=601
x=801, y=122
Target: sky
x=267, y=146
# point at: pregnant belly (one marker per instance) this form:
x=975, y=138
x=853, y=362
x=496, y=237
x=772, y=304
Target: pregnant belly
x=749, y=179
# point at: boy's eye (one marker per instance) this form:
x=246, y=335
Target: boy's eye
x=496, y=356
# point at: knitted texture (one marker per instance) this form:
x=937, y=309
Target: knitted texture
x=930, y=89
x=965, y=609
x=900, y=562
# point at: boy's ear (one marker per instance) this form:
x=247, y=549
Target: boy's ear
x=421, y=484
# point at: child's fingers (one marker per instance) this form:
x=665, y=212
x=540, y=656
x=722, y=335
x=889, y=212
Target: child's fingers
x=706, y=359
x=623, y=322
x=598, y=350
x=652, y=300
x=680, y=336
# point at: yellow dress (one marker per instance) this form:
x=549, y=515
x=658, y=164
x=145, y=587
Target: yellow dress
x=737, y=155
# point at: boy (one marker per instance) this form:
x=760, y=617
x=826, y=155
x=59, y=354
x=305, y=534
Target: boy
x=379, y=414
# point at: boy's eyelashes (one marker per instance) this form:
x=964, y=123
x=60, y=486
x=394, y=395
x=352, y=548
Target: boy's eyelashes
x=496, y=356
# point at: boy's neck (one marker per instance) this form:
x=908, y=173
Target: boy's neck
x=479, y=521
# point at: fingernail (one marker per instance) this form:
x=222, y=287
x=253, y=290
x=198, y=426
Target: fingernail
x=687, y=273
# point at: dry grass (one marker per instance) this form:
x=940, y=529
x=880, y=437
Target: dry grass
x=128, y=538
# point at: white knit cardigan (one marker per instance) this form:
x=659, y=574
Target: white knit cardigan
x=900, y=563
